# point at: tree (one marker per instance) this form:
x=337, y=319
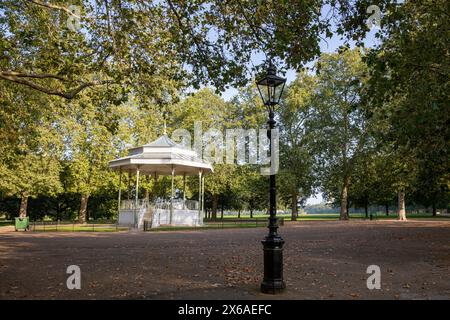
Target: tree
x=250, y=187
x=203, y=106
x=62, y=51
x=338, y=122
x=409, y=93
x=217, y=184
x=51, y=48
x=30, y=148
x=431, y=185
x=209, y=111
x=296, y=176
x=375, y=180
x=363, y=183
x=88, y=132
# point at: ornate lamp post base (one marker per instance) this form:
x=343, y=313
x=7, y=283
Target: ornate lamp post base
x=273, y=265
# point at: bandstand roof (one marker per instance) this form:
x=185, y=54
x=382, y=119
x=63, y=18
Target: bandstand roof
x=159, y=157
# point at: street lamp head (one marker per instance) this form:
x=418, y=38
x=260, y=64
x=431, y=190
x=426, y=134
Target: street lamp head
x=271, y=87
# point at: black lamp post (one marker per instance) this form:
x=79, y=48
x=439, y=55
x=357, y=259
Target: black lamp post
x=270, y=88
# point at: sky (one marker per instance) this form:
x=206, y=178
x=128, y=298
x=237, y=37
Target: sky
x=328, y=46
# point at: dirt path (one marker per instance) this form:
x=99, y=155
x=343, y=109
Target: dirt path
x=323, y=260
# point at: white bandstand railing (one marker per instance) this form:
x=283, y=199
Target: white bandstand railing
x=159, y=203
x=131, y=204
x=160, y=212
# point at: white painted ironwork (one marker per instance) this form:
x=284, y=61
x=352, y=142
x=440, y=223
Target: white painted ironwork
x=161, y=157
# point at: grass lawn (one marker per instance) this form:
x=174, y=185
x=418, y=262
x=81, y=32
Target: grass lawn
x=69, y=227
x=78, y=229
x=210, y=226
x=335, y=216
x=6, y=223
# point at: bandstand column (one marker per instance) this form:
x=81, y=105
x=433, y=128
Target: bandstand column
x=120, y=189
x=199, y=194
x=184, y=191
x=129, y=187
x=136, y=198
x=203, y=193
x=171, y=197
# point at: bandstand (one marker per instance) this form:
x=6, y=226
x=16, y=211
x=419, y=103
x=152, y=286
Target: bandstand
x=161, y=157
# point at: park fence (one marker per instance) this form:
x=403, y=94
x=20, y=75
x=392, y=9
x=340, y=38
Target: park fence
x=256, y=221
x=113, y=226
x=220, y=224
x=75, y=226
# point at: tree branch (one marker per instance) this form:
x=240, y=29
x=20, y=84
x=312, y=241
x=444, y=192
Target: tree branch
x=53, y=6
x=188, y=30
x=253, y=27
x=21, y=78
x=31, y=75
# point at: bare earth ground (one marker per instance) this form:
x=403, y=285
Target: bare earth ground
x=322, y=260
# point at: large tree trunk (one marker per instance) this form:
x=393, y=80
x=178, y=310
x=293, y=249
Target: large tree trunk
x=344, y=199
x=82, y=214
x=239, y=213
x=215, y=203
x=401, y=206
x=294, y=204
x=23, y=205
x=366, y=208
x=434, y=208
x=387, y=210
x=221, y=209
x=251, y=212
x=58, y=209
x=344, y=215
